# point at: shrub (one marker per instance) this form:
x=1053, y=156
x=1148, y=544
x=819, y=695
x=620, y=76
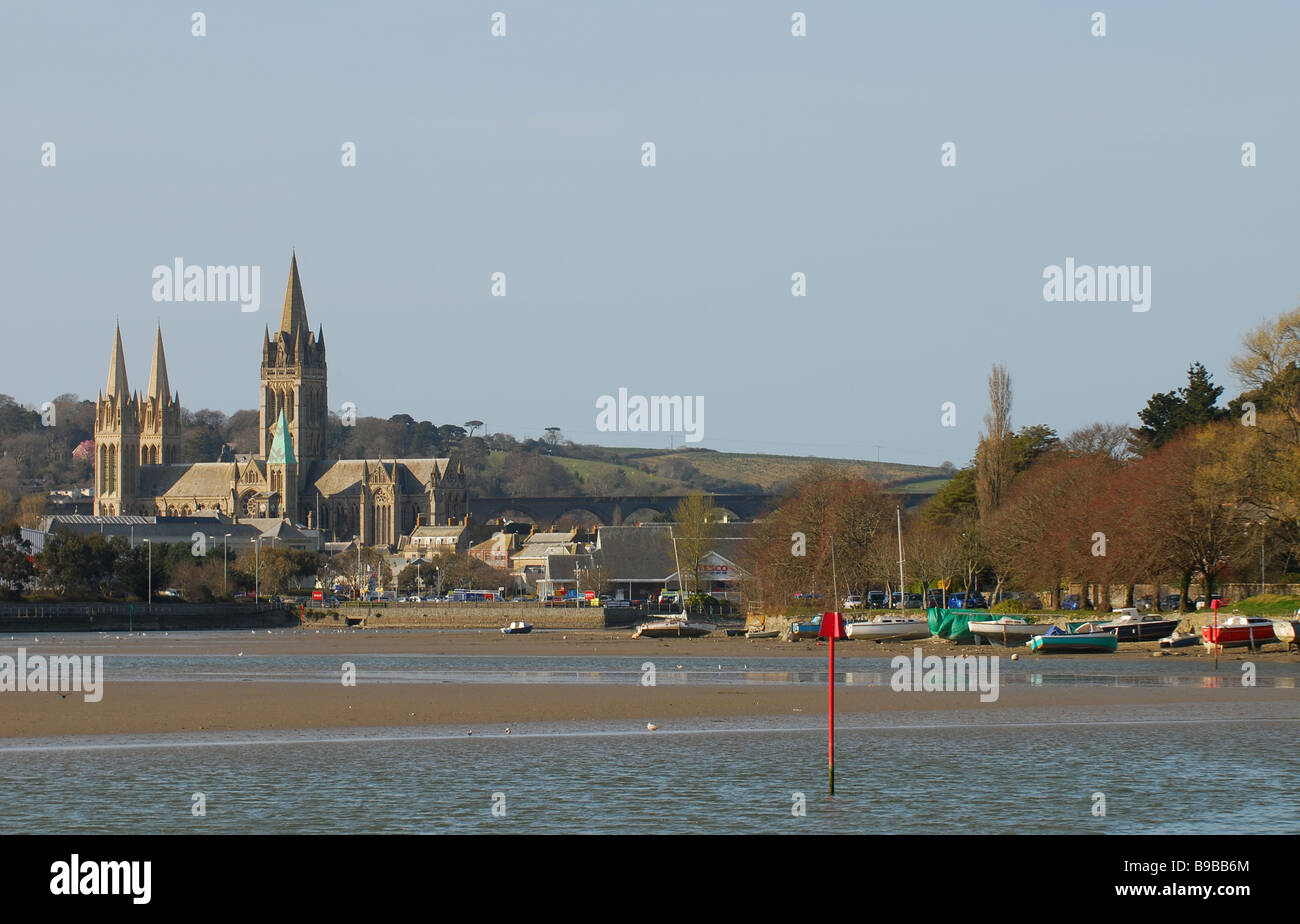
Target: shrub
x=1010, y=607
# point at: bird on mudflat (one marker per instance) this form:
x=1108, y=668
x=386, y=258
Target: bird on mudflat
x=651, y=726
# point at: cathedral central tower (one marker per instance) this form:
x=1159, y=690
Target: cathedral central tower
x=293, y=380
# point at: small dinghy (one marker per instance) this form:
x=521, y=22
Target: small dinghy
x=1179, y=640
x=517, y=628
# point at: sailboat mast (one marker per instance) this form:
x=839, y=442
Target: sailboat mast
x=902, y=593
x=834, y=580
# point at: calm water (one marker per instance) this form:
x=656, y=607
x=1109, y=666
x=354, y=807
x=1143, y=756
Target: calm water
x=852, y=669
x=1216, y=768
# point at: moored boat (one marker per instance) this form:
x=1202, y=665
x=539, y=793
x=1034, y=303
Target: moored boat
x=517, y=628
x=1056, y=640
x=883, y=628
x=1179, y=640
x=1236, y=631
x=1287, y=632
x=675, y=626
x=1131, y=626
x=804, y=630
x=1006, y=631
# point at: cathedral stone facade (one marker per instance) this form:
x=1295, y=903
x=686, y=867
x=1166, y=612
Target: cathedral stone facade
x=137, y=452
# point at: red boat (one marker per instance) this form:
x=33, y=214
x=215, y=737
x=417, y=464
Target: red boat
x=1239, y=630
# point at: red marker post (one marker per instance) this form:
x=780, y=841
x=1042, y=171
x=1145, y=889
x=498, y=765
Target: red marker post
x=1214, y=605
x=832, y=627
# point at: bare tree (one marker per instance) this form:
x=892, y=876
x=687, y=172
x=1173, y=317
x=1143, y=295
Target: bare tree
x=697, y=526
x=995, y=457
x=1099, y=438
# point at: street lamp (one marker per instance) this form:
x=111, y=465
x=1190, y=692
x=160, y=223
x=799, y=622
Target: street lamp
x=257, y=568
x=225, y=557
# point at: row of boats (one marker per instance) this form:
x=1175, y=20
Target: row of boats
x=1127, y=626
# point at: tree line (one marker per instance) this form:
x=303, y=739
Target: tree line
x=1199, y=493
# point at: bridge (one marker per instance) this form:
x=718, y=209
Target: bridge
x=630, y=509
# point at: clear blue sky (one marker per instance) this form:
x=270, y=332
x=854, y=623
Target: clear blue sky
x=775, y=154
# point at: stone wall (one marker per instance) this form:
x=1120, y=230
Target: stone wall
x=463, y=616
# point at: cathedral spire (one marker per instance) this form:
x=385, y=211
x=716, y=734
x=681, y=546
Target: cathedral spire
x=294, y=316
x=158, y=385
x=117, y=387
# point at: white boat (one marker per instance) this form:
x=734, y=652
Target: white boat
x=883, y=628
x=1285, y=630
x=679, y=625
x=517, y=628
x=1006, y=631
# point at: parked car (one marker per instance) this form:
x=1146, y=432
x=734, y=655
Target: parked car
x=1170, y=601
x=1202, y=602
x=332, y=601
x=853, y=602
x=967, y=601
x=876, y=599
x=1073, y=602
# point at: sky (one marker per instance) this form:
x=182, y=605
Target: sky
x=775, y=154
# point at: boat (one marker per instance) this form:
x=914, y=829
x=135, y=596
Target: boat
x=1006, y=631
x=762, y=633
x=883, y=628
x=1287, y=632
x=1236, y=631
x=1179, y=640
x=1056, y=640
x=517, y=628
x=803, y=630
x=679, y=625
x=1131, y=626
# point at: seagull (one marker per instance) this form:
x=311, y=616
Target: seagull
x=507, y=731
x=651, y=726
x=240, y=655
x=469, y=733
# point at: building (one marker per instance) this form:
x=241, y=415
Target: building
x=217, y=532
x=497, y=550
x=636, y=562
x=137, y=451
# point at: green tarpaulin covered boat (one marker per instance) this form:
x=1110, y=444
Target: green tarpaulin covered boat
x=954, y=624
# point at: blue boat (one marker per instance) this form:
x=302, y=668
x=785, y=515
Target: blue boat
x=803, y=630
x=1058, y=640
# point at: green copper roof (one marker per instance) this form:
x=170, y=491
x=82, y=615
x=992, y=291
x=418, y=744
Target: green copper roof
x=281, y=446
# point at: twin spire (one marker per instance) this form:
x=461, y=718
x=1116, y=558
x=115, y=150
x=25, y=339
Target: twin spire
x=159, y=387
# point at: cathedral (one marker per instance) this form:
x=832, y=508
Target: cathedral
x=137, y=452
